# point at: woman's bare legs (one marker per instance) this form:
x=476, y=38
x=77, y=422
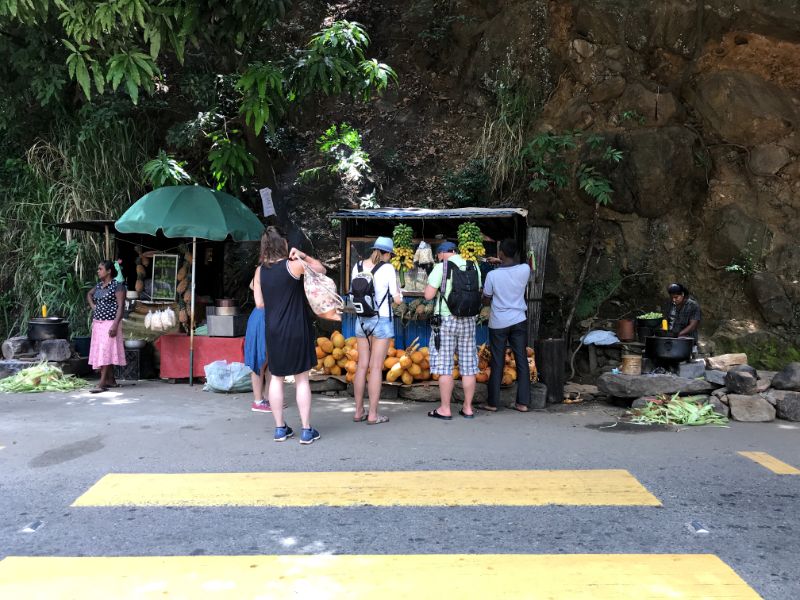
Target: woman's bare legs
x=360, y=381
x=376, y=358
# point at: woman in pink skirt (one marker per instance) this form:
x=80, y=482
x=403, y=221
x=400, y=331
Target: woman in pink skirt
x=106, y=299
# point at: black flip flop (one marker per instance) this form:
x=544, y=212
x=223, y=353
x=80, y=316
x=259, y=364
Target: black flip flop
x=435, y=414
x=465, y=415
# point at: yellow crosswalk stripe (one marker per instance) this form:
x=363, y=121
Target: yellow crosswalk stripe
x=611, y=487
x=417, y=577
x=771, y=463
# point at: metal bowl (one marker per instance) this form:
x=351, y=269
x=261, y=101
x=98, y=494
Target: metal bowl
x=135, y=344
x=226, y=310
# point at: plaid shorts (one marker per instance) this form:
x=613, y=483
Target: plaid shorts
x=457, y=334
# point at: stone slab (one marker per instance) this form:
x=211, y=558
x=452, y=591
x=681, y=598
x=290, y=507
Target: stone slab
x=9, y=368
x=752, y=409
x=742, y=380
x=692, y=369
x=715, y=376
x=55, y=350
x=16, y=346
x=723, y=362
x=636, y=386
x=789, y=406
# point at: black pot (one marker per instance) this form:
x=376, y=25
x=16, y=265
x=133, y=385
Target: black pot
x=51, y=328
x=651, y=323
x=669, y=348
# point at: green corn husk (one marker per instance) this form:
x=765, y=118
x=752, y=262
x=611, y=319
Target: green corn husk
x=678, y=411
x=41, y=378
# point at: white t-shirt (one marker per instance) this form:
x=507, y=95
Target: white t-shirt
x=385, y=279
x=506, y=286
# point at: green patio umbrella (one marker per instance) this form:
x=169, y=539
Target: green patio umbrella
x=191, y=211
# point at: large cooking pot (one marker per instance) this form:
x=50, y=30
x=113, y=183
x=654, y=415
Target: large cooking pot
x=226, y=302
x=48, y=328
x=669, y=348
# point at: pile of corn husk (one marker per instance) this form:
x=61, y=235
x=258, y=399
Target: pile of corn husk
x=41, y=378
x=677, y=411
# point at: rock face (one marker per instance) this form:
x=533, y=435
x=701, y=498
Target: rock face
x=636, y=386
x=743, y=108
x=788, y=379
x=768, y=159
x=742, y=379
x=735, y=232
x=771, y=298
x=752, y=409
x=789, y=406
x=724, y=362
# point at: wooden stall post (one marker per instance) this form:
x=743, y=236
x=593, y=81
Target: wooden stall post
x=537, y=247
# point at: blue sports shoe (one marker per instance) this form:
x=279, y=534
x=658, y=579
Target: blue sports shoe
x=308, y=436
x=283, y=433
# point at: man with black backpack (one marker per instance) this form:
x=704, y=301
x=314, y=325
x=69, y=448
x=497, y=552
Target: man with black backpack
x=455, y=283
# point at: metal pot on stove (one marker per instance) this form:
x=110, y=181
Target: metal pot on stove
x=48, y=328
x=669, y=348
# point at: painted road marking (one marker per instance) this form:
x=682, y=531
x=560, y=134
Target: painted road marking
x=771, y=463
x=574, y=576
x=612, y=487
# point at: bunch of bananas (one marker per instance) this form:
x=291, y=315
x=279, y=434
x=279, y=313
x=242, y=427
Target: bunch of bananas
x=403, y=258
x=470, y=241
x=403, y=238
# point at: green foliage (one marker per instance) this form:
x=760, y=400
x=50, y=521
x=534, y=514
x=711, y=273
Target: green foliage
x=342, y=155
x=165, y=170
x=470, y=185
x=335, y=63
x=262, y=89
x=594, y=293
x=517, y=106
x=631, y=115
x=231, y=163
x=748, y=262
x=551, y=164
x=678, y=411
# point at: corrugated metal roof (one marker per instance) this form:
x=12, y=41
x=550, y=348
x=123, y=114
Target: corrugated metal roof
x=428, y=213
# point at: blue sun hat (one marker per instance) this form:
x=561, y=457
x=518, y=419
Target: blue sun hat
x=384, y=244
x=445, y=246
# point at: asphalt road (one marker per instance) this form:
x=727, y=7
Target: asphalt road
x=56, y=446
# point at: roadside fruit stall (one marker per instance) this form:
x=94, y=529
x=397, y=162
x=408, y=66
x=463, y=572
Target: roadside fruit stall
x=338, y=356
x=416, y=232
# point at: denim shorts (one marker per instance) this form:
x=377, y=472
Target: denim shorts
x=378, y=327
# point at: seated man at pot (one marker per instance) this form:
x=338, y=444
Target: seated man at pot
x=682, y=313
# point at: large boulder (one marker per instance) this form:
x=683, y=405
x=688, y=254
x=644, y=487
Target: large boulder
x=637, y=386
x=788, y=378
x=719, y=406
x=753, y=409
x=657, y=108
x=607, y=90
x=770, y=297
x=716, y=377
x=718, y=365
x=743, y=108
x=55, y=350
x=742, y=379
x=789, y=406
x=765, y=349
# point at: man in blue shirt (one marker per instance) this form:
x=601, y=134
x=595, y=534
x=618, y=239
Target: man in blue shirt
x=504, y=291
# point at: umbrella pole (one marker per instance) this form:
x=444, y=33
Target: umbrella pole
x=191, y=315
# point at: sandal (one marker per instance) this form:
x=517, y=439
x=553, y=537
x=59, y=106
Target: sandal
x=435, y=414
x=488, y=407
x=98, y=390
x=465, y=415
x=519, y=408
x=379, y=420
x=361, y=419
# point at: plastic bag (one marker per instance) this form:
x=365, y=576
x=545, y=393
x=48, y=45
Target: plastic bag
x=322, y=296
x=148, y=320
x=168, y=319
x=224, y=377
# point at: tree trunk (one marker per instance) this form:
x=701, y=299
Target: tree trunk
x=265, y=173
x=584, y=269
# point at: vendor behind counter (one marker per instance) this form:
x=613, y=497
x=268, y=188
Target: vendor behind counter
x=682, y=312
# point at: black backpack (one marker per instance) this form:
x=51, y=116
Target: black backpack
x=465, y=295
x=362, y=291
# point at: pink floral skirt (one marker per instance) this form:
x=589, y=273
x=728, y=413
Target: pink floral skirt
x=106, y=350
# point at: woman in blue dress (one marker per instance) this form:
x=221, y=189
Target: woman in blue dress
x=255, y=345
